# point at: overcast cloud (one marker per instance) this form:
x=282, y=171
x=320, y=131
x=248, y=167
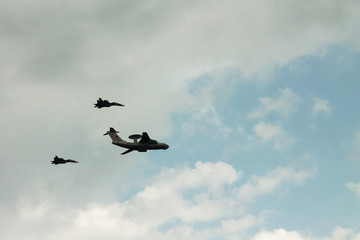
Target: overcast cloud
x=59, y=57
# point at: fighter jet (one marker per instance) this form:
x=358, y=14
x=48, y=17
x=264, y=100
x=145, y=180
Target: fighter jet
x=105, y=103
x=145, y=143
x=58, y=160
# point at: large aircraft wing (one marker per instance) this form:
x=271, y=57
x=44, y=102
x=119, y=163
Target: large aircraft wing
x=144, y=138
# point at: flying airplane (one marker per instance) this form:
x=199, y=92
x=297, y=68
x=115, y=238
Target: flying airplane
x=105, y=103
x=145, y=143
x=58, y=160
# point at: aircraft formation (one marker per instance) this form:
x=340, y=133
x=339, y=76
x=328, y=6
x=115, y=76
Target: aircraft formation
x=143, y=145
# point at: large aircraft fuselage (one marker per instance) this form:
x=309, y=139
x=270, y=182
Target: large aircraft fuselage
x=141, y=147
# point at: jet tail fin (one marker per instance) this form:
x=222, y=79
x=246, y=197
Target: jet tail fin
x=113, y=135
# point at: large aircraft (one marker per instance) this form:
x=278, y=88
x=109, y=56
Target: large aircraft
x=145, y=143
x=105, y=103
x=58, y=160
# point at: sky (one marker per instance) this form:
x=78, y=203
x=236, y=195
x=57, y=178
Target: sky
x=258, y=101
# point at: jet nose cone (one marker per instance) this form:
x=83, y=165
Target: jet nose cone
x=166, y=146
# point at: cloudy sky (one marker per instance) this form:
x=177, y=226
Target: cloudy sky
x=258, y=101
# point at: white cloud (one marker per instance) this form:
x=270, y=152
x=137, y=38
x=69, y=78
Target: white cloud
x=354, y=147
x=206, y=120
x=239, y=225
x=268, y=132
x=354, y=187
x=279, y=234
x=321, y=106
x=260, y=185
x=173, y=203
x=338, y=233
x=209, y=115
x=284, y=105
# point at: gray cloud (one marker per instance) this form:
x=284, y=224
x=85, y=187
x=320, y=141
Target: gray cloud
x=58, y=57
x=115, y=38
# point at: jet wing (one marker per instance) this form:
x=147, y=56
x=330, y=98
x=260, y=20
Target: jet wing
x=70, y=160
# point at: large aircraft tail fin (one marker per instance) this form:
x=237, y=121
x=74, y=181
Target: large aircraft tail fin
x=113, y=134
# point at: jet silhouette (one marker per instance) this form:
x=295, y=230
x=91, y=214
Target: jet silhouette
x=105, y=103
x=58, y=160
x=145, y=143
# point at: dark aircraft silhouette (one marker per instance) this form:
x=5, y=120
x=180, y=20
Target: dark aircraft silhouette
x=105, y=103
x=58, y=160
x=145, y=143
